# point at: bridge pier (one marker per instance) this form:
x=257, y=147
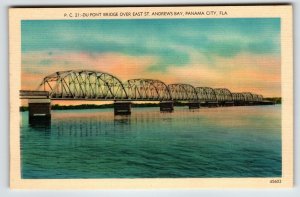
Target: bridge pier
x=194, y=105
x=249, y=103
x=122, y=108
x=209, y=104
x=239, y=103
x=265, y=102
x=39, y=111
x=166, y=106
x=212, y=104
x=228, y=103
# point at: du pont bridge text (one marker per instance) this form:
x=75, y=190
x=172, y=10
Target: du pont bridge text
x=101, y=86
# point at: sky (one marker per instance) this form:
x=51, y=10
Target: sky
x=241, y=54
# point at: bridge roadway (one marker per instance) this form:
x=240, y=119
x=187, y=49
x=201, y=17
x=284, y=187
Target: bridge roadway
x=99, y=86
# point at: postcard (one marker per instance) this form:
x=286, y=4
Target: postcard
x=151, y=97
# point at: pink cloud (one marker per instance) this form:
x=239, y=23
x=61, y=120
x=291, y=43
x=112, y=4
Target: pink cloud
x=122, y=66
x=243, y=73
x=255, y=73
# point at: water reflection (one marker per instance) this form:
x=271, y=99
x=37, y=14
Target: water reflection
x=40, y=121
x=92, y=124
x=214, y=142
x=124, y=119
x=46, y=128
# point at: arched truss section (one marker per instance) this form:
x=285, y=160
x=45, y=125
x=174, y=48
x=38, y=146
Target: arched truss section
x=147, y=89
x=206, y=94
x=248, y=96
x=257, y=97
x=184, y=92
x=223, y=94
x=238, y=97
x=83, y=84
x=93, y=85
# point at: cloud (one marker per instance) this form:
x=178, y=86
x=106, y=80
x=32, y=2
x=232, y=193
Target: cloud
x=245, y=72
x=122, y=66
x=155, y=37
x=241, y=54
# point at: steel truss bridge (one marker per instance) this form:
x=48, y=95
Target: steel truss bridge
x=94, y=85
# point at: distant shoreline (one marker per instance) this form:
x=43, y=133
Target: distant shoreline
x=104, y=106
x=277, y=100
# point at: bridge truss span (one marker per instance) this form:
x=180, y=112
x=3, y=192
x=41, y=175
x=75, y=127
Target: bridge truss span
x=147, y=89
x=238, y=97
x=183, y=92
x=83, y=84
x=257, y=98
x=96, y=85
x=206, y=94
x=102, y=86
x=223, y=95
x=248, y=96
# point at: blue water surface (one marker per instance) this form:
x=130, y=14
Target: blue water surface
x=209, y=142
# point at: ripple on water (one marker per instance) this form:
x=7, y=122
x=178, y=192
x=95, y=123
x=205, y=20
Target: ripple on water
x=209, y=142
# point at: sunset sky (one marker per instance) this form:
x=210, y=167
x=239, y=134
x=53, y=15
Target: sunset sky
x=239, y=54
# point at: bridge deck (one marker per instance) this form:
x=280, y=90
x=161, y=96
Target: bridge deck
x=29, y=94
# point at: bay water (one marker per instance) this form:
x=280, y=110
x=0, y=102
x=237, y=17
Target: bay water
x=242, y=141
